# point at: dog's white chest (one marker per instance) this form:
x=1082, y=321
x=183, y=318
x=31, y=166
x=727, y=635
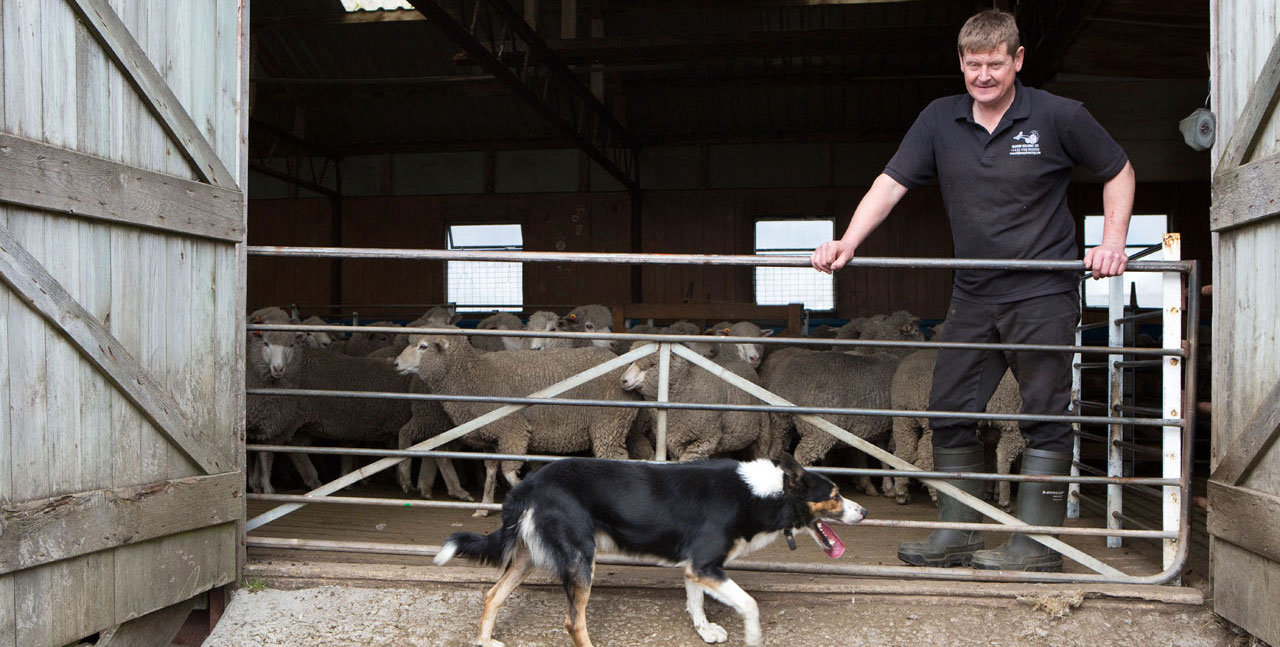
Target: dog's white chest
x=760, y=540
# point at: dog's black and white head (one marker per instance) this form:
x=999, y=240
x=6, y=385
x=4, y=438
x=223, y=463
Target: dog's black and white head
x=816, y=501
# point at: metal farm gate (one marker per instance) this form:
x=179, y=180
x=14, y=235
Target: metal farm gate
x=122, y=159
x=1244, y=487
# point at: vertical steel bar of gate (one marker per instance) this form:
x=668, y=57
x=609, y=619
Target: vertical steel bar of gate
x=1067, y=550
x=1172, y=382
x=1073, y=489
x=664, y=387
x=1115, y=399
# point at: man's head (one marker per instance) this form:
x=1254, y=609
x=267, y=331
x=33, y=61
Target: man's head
x=990, y=56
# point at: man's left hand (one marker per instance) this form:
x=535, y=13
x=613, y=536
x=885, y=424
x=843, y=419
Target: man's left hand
x=1106, y=260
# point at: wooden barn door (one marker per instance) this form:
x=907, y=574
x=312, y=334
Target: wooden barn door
x=1244, y=488
x=122, y=136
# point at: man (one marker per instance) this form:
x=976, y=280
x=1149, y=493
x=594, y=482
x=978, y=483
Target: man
x=1002, y=154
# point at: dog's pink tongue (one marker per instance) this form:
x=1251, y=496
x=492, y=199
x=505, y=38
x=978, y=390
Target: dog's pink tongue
x=837, y=546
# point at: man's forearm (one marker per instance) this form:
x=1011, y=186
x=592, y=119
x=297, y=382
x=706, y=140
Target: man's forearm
x=1117, y=206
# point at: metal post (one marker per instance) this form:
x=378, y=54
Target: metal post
x=1073, y=490
x=1172, y=382
x=664, y=379
x=1115, y=390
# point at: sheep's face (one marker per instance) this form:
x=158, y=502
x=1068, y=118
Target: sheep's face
x=642, y=376
x=319, y=339
x=426, y=355
x=542, y=324
x=592, y=327
x=275, y=350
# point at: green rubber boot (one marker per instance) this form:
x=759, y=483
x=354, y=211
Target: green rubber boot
x=945, y=547
x=1039, y=504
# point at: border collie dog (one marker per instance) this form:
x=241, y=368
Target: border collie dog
x=695, y=515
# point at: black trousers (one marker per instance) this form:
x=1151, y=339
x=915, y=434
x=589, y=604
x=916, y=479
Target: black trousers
x=963, y=380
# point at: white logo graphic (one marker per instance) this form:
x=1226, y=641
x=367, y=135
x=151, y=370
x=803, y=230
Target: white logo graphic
x=1030, y=145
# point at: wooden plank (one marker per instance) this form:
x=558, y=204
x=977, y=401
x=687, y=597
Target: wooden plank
x=126, y=52
x=714, y=311
x=55, y=179
x=8, y=613
x=48, y=530
x=1247, y=518
x=1246, y=194
x=127, y=424
x=33, y=285
x=1257, y=108
x=151, y=575
x=156, y=629
x=1251, y=443
x=28, y=395
x=1246, y=587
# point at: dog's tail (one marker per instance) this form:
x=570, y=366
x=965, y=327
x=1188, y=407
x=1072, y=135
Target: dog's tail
x=494, y=548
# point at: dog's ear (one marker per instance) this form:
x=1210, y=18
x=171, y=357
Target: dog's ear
x=792, y=472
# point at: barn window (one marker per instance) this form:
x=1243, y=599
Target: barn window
x=375, y=5
x=484, y=286
x=1144, y=231
x=784, y=285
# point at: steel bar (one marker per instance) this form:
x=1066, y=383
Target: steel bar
x=1141, y=363
x=869, y=523
x=689, y=259
x=763, y=408
x=612, y=559
x=1141, y=316
x=885, y=457
x=838, y=471
x=660, y=420
x=1115, y=397
x=1149, y=411
x=790, y=341
x=1172, y=402
x=1142, y=253
x=453, y=434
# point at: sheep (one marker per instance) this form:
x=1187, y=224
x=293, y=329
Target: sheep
x=749, y=353
x=451, y=365
x=698, y=434
x=590, y=318
x=283, y=360
x=317, y=339
x=499, y=321
x=270, y=419
x=362, y=343
x=427, y=419
x=832, y=379
x=899, y=326
x=682, y=327
x=545, y=321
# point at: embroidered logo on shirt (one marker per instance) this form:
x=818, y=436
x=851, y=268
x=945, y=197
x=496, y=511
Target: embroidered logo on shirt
x=1030, y=145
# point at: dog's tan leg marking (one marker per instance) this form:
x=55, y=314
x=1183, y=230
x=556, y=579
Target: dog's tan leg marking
x=732, y=595
x=519, y=568
x=710, y=632
x=576, y=620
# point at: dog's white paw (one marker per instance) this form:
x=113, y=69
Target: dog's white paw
x=712, y=633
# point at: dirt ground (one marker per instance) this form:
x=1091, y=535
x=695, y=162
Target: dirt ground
x=447, y=615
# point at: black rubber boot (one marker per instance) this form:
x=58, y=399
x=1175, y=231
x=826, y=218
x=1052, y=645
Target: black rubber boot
x=1039, y=504
x=951, y=547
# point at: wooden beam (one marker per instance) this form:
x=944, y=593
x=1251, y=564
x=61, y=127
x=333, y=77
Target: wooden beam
x=33, y=284
x=40, y=176
x=1255, y=438
x=120, y=45
x=156, y=629
x=1246, y=518
x=49, y=530
x=791, y=314
x=1257, y=108
x=1245, y=194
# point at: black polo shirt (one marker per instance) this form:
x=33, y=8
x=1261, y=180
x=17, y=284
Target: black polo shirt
x=1006, y=191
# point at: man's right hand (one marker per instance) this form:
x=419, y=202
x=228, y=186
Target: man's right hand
x=831, y=255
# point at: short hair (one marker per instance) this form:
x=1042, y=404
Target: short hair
x=987, y=30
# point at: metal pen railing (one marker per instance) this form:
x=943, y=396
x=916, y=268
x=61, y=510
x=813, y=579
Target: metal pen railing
x=1174, y=478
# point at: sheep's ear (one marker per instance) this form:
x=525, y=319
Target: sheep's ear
x=792, y=472
x=767, y=332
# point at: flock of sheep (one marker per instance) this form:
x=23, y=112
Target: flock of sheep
x=514, y=366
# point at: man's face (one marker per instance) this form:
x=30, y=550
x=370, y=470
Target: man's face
x=988, y=76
